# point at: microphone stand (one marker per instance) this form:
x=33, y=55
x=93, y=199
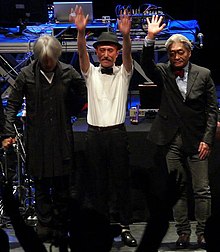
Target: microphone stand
x=21, y=157
x=21, y=150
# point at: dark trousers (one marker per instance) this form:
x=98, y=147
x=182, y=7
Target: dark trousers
x=109, y=171
x=52, y=201
x=190, y=171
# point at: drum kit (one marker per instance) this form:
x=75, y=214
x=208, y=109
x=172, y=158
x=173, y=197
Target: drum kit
x=12, y=167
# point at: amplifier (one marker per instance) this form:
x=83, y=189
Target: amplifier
x=69, y=32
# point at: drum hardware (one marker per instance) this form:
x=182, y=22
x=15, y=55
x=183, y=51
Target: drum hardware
x=29, y=202
x=2, y=179
x=19, y=147
x=25, y=187
x=22, y=113
x=14, y=159
x=19, y=189
x=20, y=153
x=4, y=219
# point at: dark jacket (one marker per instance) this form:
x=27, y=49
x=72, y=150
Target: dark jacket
x=48, y=129
x=196, y=117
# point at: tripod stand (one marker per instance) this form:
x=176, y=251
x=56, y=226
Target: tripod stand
x=22, y=184
x=25, y=187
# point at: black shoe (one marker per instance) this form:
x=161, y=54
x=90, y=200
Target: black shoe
x=128, y=239
x=183, y=241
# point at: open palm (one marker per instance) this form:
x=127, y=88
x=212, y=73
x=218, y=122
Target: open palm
x=78, y=18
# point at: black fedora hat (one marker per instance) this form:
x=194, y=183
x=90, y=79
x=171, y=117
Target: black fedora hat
x=107, y=38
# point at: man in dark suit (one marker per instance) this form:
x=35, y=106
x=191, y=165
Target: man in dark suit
x=184, y=132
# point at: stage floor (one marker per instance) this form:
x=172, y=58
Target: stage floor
x=168, y=243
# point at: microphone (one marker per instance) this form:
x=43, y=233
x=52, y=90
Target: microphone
x=200, y=36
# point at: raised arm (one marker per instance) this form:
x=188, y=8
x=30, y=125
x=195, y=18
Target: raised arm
x=124, y=26
x=78, y=18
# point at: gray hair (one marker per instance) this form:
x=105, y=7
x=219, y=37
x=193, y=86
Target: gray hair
x=178, y=38
x=47, y=45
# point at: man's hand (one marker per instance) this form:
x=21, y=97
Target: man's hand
x=78, y=18
x=204, y=150
x=124, y=22
x=154, y=26
x=7, y=142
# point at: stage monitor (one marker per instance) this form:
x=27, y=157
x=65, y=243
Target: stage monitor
x=62, y=10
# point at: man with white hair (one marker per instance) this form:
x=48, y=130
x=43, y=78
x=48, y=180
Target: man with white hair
x=184, y=132
x=50, y=87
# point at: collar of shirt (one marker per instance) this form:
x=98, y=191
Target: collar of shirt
x=182, y=82
x=48, y=76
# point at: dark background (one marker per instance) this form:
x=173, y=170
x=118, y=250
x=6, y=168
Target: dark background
x=204, y=11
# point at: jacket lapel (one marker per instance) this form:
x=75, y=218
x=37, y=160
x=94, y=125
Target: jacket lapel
x=192, y=75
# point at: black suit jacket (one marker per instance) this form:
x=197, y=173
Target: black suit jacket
x=196, y=117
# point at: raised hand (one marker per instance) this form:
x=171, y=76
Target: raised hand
x=154, y=26
x=78, y=18
x=124, y=22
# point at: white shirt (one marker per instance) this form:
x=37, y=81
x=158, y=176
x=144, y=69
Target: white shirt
x=107, y=95
x=182, y=82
